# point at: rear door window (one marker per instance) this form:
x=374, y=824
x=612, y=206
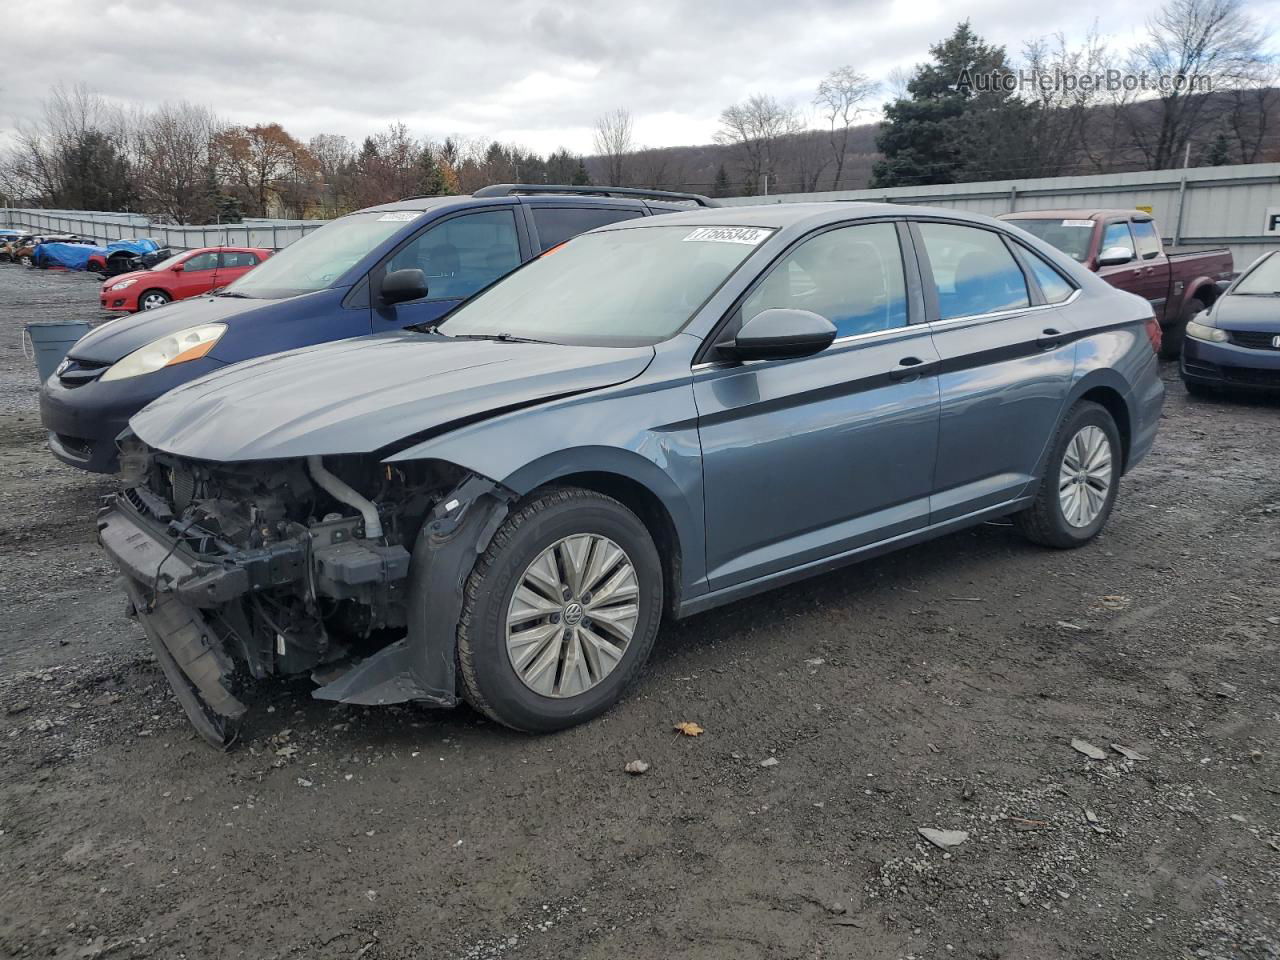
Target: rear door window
x=558, y=224
x=462, y=254
x=973, y=271
x=236, y=261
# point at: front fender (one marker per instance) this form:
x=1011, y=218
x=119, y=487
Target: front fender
x=644, y=431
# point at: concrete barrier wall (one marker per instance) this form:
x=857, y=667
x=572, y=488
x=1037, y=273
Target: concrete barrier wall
x=105, y=227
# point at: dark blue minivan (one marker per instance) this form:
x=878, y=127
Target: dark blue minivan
x=391, y=266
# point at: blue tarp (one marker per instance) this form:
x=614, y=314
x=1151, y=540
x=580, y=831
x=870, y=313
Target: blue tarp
x=73, y=256
x=136, y=247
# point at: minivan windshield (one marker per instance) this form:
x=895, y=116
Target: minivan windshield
x=1070, y=236
x=629, y=287
x=1262, y=280
x=313, y=262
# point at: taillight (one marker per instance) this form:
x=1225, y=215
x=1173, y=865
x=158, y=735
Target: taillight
x=1154, y=333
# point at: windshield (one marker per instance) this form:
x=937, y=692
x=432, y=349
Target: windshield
x=316, y=260
x=166, y=264
x=1069, y=236
x=616, y=288
x=1262, y=279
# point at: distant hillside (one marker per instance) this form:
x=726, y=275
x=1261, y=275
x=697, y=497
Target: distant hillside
x=1244, y=128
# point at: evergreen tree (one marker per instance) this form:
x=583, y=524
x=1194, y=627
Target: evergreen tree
x=1219, y=152
x=721, y=187
x=93, y=174
x=954, y=124
x=431, y=178
x=580, y=176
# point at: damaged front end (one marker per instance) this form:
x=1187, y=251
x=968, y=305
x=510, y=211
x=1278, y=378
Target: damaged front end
x=346, y=567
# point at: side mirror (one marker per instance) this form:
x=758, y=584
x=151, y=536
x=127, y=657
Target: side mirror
x=780, y=335
x=1114, y=256
x=400, y=286
x=179, y=267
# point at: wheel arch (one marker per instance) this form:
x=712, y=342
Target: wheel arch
x=1204, y=290
x=1108, y=391
x=640, y=485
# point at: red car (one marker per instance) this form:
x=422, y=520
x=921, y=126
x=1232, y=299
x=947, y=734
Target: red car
x=187, y=274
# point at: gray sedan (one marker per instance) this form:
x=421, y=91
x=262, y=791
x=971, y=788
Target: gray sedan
x=653, y=419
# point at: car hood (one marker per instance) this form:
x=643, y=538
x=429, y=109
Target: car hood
x=119, y=277
x=114, y=339
x=358, y=396
x=1243, y=312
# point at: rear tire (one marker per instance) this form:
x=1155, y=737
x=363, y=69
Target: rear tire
x=1174, y=335
x=1073, y=504
x=582, y=679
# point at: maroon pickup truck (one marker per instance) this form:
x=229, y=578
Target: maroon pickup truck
x=1124, y=248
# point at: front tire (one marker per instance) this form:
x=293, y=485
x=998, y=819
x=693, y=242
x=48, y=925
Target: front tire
x=560, y=612
x=1176, y=333
x=1080, y=481
x=1199, y=390
x=153, y=300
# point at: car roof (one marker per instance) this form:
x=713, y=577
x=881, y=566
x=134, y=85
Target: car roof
x=1095, y=213
x=460, y=200
x=228, y=248
x=804, y=215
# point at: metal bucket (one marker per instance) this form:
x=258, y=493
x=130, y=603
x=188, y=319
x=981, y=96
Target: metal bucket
x=50, y=343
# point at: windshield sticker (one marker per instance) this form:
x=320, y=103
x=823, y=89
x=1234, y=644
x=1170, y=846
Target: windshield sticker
x=401, y=215
x=748, y=235
x=1077, y=223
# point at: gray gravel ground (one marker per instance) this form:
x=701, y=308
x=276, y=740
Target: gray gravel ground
x=940, y=687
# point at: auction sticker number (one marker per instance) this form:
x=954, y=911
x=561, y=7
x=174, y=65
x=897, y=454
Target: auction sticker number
x=748, y=235
x=401, y=215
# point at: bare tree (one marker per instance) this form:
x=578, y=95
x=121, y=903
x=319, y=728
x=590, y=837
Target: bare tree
x=1059, y=133
x=840, y=97
x=1252, y=107
x=1196, y=46
x=614, y=143
x=334, y=157
x=175, y=169
x=756, y=127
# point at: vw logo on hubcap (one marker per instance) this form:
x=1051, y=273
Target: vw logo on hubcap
x=573, y=614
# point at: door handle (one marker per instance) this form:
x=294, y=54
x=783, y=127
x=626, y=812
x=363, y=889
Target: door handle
x=1049, y=339
x=908, y=369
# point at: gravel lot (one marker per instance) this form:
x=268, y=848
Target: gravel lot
x=939, y=688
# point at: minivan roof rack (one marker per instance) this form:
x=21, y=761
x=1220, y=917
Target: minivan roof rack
x=512, y=189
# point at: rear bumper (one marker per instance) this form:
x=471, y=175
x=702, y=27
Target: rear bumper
x=1148, y=397
x=1231, y=366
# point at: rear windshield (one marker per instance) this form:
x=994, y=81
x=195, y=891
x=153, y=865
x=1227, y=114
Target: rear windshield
x=315, y=261
x=628, y=287
x=1262, y=279
x=1069, y=236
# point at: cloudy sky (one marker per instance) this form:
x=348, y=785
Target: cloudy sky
x=532, y=73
